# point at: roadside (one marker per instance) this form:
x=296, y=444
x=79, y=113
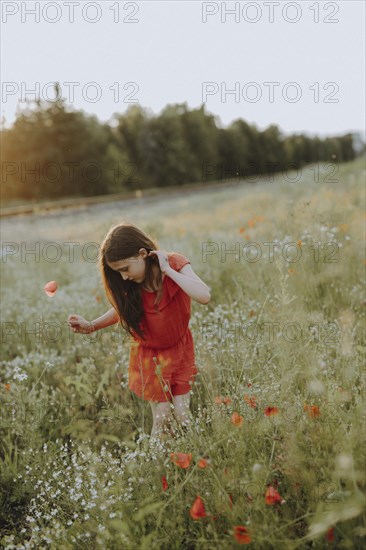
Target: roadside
x=131, y=197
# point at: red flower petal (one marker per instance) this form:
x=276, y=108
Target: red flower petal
x=250, y=400
x=237, y=419
x=197, y=510
x=50, y=288
x=181, y=459
x=330, y=534
x=220, y=400
x=164, y=483
x=271, y=411
x=313, y=411
x=241, y=534
x=272, y=496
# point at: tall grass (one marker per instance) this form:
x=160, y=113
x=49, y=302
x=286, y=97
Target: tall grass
x=278, y=402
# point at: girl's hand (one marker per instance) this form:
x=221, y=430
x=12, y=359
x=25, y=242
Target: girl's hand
x=163, y=259
x=79, y=324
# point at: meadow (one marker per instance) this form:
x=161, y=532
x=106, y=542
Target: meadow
x=274, y=457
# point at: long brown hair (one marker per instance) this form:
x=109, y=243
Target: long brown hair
x=121, y=242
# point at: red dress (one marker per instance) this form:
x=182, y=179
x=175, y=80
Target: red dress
x=164, y=364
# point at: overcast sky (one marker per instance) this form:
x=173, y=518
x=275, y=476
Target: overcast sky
x=165, y=52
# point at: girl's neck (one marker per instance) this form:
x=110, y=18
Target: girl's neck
x=149, y=289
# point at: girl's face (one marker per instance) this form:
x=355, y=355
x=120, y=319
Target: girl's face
x=133, y=268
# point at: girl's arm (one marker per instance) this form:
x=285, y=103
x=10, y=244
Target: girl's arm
x=189, y=281
x=79, y=324
x=109, y=318
x=186, y=278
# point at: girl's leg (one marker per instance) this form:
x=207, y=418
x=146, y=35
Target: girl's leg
x=161, y=413
x=181, y=408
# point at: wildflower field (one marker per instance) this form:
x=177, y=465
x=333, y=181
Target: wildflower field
x=275, y=454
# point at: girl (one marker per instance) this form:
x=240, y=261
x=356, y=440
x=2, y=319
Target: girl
x=150, y=291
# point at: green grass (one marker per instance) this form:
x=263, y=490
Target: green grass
x=77, y=470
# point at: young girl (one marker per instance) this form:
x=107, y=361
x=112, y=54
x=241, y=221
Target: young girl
x=150, y=291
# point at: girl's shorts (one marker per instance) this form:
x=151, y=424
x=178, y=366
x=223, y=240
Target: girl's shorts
x=158, y=374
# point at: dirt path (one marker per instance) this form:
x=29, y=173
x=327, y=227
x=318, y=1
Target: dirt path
x=83, y=222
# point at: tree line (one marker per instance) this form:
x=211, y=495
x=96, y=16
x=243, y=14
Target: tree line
x=54, y=151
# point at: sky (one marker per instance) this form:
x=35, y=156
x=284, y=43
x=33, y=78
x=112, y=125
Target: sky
x=299, y=65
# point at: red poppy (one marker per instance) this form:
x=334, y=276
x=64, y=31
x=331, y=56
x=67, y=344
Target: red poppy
x=197, y=510
x=7, y=387
x=237, y=419
x=203, y=463
x=330, y=534
x=242, y=230
x=181, y=459
x=250, y=400
x=219, y=400
x=272, y=496
x=241, y=534
x=164, y=483
x=271, y=411
x=312, y=410
x=50, y=288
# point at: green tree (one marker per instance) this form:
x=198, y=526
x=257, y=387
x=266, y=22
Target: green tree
x=52, y=151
